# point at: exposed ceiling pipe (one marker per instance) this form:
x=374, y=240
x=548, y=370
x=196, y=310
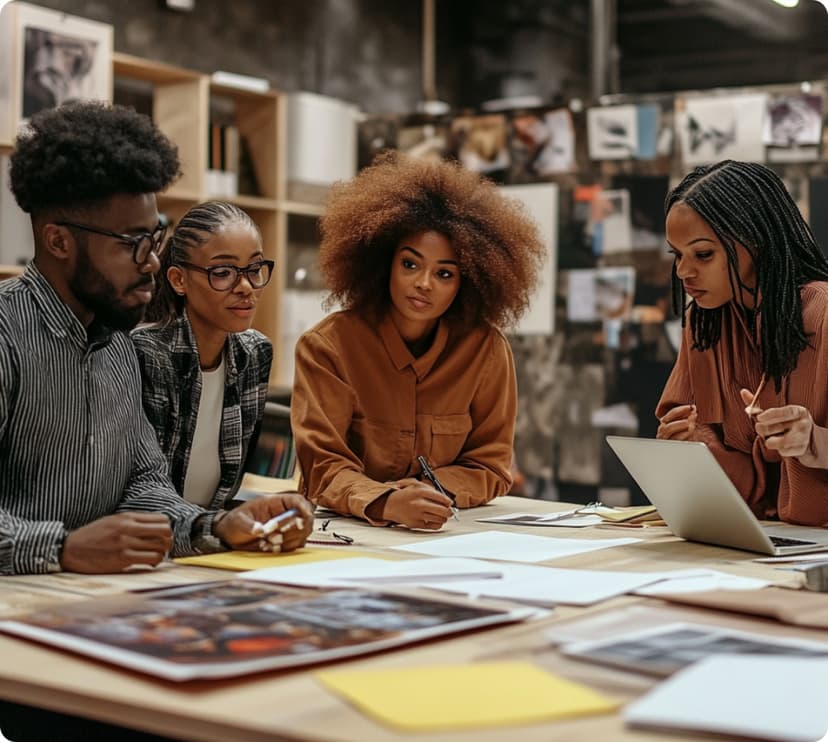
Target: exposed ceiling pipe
x=762, y=20
x=430, y=104
x=604, y=57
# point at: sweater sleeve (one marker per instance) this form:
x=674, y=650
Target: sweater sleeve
x=322, y=408
x=746, y=469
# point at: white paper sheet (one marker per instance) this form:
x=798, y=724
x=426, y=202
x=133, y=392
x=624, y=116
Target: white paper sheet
x=547, y=586
x=512, y=547
x=373, y=571
x=775, y=698
x=694, y=581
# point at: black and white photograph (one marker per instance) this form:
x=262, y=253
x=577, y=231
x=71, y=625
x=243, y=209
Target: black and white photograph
x=52, y=58
x=666, y=649
x=612, y=132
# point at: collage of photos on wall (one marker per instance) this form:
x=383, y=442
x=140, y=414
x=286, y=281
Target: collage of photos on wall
x=599, y=366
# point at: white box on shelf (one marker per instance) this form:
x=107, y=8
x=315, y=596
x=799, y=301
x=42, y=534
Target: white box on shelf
x=48, y=57
x=322, y=139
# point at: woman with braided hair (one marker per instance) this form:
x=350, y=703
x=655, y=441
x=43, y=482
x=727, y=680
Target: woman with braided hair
x=751, y=286
x=204, y=370
x=414, y=376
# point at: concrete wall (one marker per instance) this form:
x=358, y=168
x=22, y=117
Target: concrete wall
x=364, y=51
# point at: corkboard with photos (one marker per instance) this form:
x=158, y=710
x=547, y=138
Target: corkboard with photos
x=615, y=338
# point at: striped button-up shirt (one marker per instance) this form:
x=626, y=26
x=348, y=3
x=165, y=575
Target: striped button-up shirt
x=74, y=442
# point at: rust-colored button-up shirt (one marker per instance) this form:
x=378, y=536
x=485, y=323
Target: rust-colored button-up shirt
x=363, y=409
x=771, y=485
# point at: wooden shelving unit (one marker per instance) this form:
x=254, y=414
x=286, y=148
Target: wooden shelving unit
x=182, y=101
x=10, y=271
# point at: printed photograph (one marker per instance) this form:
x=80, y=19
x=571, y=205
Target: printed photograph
x=56, y=68
x=228, y=628
x=667, y=649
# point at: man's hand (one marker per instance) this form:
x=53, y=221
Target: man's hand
x=417, y=505
x=115, y=542
x=679, y=424
x=238, y=528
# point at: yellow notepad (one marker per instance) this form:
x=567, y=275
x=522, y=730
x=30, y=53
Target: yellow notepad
x=423, y=699
x=242, y=561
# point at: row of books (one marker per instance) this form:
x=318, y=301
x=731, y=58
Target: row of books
x=230, y=168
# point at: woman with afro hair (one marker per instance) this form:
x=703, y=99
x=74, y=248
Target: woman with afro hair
x=428, y=262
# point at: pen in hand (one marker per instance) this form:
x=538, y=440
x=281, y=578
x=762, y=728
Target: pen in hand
x=432, y=477
x=270, y=532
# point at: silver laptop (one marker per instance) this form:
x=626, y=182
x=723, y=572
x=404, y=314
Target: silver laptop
x=696, y=499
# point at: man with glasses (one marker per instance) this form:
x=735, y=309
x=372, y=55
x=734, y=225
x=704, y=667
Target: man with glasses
x=83, y=483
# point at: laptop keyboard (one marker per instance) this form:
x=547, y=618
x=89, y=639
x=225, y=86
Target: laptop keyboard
x=782, y=541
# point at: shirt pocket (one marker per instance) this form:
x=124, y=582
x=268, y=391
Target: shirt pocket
x=379, y=447
x=448, y=437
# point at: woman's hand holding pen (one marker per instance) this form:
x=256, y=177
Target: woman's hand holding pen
x=787, y=430
x=244, y=527
x=417, y=505
x=679, y=424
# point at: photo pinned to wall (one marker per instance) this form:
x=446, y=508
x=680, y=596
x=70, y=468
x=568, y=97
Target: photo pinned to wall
x=721, y=127
x=481, y=144
x=610, y=223
x=541, y=143
x=424, y=138
x=793, y=127
x=541, y=203
x=647, y=195
x=375, y=134
x=598, y=294
x=612, y=132
x=49, y=58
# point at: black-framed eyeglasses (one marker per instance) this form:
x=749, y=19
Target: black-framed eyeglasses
x=142, y=244
x=226, y=277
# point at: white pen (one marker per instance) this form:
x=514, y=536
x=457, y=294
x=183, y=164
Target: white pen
x=275, y=523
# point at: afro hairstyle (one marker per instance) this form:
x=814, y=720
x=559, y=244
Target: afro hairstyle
x=81, y=153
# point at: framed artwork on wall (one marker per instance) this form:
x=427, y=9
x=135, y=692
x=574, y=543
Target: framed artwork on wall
x=47, y=58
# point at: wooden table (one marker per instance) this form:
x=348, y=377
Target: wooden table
x=293, y=706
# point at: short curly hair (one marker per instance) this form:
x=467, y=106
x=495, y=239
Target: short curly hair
x=81, y=153
x=498, y=247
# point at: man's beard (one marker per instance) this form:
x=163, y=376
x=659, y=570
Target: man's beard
x=99, y=296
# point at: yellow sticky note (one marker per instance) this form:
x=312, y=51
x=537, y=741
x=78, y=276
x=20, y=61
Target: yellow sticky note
x=423, y=699
x=242, y=561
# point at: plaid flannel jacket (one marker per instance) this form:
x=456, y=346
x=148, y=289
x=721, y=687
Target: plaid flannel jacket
x=171, y=375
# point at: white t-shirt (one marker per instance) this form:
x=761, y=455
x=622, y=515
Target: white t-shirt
x=204, y=468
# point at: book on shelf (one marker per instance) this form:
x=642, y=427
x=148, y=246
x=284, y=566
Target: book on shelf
x=243, y=82
x=222, y=178
x=234, y=627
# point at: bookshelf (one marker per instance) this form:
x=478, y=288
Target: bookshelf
x=187, y=106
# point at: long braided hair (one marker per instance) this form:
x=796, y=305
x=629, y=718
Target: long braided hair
x=747, y=203
x=195, y=229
